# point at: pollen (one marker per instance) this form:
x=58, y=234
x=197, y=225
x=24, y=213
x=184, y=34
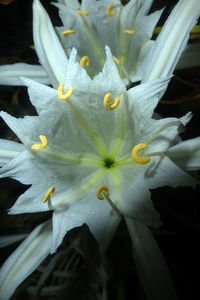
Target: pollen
x=99, y=191
x=109, y=10
x=129, y=31
x=85, y=12
x=85, y=59
x=48, y=194
x=68, y=31
x=67, y=94
x=138, y=159
x=107, y=104
x=40, y=146
x=116, y=60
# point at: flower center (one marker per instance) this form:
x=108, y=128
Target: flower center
x=108, y=163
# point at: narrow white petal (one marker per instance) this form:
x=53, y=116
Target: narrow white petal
x=11, y=239
x=24, y=260
x=152, y=270
x=10, y=74
x=186, y=154
x=47, y=45
x=172, y=40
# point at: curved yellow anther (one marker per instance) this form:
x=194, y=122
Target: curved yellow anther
x=129, y=31
x=99, y=191
x=140, y=160
x=116, y=60
x=107, y=104
x=40, y=146
x=85, y=59
x=109, y=10
x=48, y=194
x=67, y=94
x=68, y=31
x=85, y=12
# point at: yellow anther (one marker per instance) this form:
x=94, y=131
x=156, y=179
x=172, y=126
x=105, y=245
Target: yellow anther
x=99, y=191
x=109, y=10
x=129, y=31
x=140, y=160
x=107, y=104
x=85, y=12
x=85, y=59
x=40, y=146
x=68, y=31
x=116, y=60
x=67, y=94
x=48, y=194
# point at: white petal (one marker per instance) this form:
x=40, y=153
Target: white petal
x=41, y=96
x=144, y=98
x=146, y=24
x=186, y=154
x=145, y=6
x=134, y=199
x=8, y=150
x=23, y=128
x=11, y=239
x=172, y=40
x=47, y=45
x=24, y=260
x=10, y=74
x=109, y=79
x=152, y=270
x=98, y=215
x=167, y=173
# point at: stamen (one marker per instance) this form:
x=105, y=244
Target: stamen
x=102, y=192
x=48, y=194
x=85, y=59
x=107, y=104
x=67, y=94
x=129, y=31
x=40, y=146
x=85, y=12
x=116, y=60
x=68, y=31
x=109, y=10
x=140, y=160
x=99, y=191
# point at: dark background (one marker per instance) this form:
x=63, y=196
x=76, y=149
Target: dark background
x=178, y=238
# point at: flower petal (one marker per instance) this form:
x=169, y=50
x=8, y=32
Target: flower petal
x=24, y=260
x=152, y=270
x=11, y=239
x=10, y=74
x=8, y=150
x=186, y=154
x=172, y=40
x=97, y=214
x=47, y=45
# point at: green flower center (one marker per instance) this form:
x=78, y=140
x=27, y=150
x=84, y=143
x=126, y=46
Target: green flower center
x=108, y=163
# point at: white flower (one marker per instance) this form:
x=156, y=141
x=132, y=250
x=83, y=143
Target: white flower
x=92, y=149
x=87, y=152
x=97, y=29
x=127, y=30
